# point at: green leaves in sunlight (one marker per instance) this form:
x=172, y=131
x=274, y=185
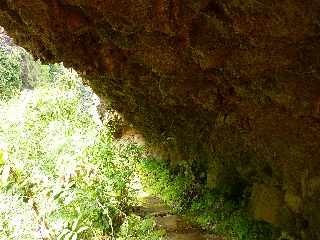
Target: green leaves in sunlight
x=10, y=69
x=61, y=172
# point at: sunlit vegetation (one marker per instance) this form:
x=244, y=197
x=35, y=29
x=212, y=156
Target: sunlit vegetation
x=10, y=68
x=62, y=176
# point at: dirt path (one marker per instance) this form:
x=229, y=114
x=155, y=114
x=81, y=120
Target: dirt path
x=174, y=225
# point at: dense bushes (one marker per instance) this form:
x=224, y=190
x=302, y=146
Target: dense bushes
x=68, y=178
x=19, y=71
x=10, y=70
x=62, y=176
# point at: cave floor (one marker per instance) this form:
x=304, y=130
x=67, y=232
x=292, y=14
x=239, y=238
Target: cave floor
x=175, y=226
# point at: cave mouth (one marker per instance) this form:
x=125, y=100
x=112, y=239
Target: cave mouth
x=227, y=90
x=68, y=163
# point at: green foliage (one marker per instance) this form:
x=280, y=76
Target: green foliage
x=34, y=74
x=10, y=82
x=136, y=228
x=100, y=189
x=213, y=211
x=40, y=129
x=18, y=71
x=157, y=178
x=68, y=178
x=227, y=217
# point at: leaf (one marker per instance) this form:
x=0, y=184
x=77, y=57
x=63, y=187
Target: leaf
x=64, y=232
x=57, y=195
x=75, y=224
x=82, y=229
x=5, y=174
x=74, y=237
x=2, y=157
x=68, y=236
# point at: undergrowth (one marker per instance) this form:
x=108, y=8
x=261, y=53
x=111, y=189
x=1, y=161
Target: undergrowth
x=61, y=174
x=213, y=211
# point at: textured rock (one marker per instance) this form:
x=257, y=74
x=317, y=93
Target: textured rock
x=293, y=201
x=266, y=203
x=231, y=81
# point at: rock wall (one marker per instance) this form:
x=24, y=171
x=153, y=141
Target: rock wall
x=231, y=86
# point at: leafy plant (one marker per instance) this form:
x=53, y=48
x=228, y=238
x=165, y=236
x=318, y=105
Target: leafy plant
x=10, y=81
x=212, y=210
x=72, y=232
x=68, y=178
x=156, y=177
x=136, y=228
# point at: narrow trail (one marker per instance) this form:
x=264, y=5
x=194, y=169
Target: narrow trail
x=175, y=226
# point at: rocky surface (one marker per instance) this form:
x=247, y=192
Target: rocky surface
x=231, y=86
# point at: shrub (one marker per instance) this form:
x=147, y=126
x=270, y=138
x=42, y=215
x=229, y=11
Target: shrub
x=10, y=69
x=68, y=178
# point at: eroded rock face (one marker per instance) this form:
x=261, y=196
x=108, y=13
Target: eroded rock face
x=229, y=83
